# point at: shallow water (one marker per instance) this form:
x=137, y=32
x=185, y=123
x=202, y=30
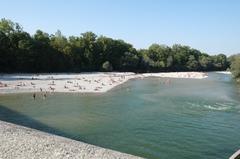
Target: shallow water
x=186, y=118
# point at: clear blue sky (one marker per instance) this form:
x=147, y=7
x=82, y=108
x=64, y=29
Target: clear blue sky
x=212, y=26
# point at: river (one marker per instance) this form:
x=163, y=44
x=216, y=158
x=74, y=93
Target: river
x=152, y=117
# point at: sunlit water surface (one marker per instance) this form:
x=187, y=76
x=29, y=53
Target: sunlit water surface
x=186, y=118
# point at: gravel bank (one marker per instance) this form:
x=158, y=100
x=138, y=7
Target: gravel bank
x=18, y=142
x=98, y=82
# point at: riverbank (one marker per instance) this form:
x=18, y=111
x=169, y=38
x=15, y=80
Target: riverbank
x=98, y=82
x=21, y=142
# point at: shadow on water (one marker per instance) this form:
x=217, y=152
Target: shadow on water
x=14, y=117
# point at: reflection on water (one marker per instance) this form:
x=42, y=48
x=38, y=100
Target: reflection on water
x=184, y=119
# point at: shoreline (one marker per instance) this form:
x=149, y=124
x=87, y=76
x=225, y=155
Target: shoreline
x=93, y=82
x=22, y=142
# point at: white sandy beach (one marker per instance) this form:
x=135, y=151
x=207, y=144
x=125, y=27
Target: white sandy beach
x=82, y=83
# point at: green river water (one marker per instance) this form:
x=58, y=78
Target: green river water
x=188, y=118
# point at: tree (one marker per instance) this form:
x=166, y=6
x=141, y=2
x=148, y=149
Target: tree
x=192, y=63
x=181, y=56
x=159, y=57
x=169, y=61
x=205, y=62
x=21, y=52
x=107, y=66
x=59, y=42
x=88, y=42
x=9, y=27
x=6, y=56
x=130, y=61
x=220, y=62
x=235, y=66
x=105, y=48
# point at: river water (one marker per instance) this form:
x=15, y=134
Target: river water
x=152, y=118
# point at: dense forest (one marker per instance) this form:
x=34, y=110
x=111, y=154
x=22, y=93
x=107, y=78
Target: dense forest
x=41, y=52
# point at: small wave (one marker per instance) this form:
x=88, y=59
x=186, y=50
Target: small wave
x=193, y=104
x=224, y=104
x=214, y=107
x=217, y=106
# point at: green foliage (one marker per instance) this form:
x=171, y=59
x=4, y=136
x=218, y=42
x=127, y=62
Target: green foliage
x=21, y=52
x=8, y=27
x=220, y=61
x=192, y=63
x=107, y=66
x=205, y=62
x=235, y=66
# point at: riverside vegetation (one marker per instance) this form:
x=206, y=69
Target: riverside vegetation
x=41, y=52
x=235, y=66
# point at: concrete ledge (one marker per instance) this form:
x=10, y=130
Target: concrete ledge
x=24, y=143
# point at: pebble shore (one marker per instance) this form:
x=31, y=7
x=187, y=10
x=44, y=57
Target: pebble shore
x=18, y=142
x=98, y=82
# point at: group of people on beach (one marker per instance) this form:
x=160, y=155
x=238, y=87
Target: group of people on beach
x=73, y=85
x=80, y=84
x=3, y=84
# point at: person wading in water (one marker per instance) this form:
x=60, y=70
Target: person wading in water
x=34, y=96
x=45, y=95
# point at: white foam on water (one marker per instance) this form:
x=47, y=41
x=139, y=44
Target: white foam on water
x=224, y=72
x=193, y=104
x=215, y=107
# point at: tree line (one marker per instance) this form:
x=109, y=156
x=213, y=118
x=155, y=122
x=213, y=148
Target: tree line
x=41, y=52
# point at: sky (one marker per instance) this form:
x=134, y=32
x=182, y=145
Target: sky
x=212, y=26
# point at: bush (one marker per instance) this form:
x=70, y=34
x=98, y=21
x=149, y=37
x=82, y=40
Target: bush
x=235, y=66
x=107, y=66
